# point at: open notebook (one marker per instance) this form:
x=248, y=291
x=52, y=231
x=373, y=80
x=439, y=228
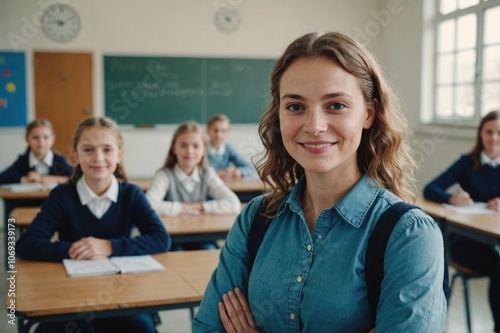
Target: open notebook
x=476, y=208
x=114, y=265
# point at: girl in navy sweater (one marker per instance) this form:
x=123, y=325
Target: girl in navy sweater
x=94, y=216
x=39, y=164
x=478, y=174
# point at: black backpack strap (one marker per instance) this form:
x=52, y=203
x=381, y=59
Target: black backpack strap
x=375, y=252
x=256, y=234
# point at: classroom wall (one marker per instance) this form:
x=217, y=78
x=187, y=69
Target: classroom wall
x=172, y=28
x=185, y=28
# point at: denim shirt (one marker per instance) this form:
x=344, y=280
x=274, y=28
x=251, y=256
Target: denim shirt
x=315, y=282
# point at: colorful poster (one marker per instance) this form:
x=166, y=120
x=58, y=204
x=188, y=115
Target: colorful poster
x=13, y=112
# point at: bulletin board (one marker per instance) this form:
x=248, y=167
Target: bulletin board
x=13, y=111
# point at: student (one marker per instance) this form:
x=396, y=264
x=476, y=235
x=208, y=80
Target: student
x=221, y=155
x=478, y=174
x=39, y=164
x=94, y=215
x=336, y=159
x=186, y=185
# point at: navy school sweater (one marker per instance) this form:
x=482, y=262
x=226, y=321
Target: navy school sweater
x=64, y=213
x=21, y=167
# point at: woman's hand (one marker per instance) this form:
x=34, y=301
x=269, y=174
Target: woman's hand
x=494, y=204
x=90, y=248
x=235, y=313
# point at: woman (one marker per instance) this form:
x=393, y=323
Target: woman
x=335, y=155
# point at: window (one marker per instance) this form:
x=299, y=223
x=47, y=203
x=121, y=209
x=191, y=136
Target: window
x=467, y=60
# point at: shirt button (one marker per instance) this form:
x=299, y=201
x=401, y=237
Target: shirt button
x=292, y=316
x=309, y=247
x=299, y=278
x=320, y=236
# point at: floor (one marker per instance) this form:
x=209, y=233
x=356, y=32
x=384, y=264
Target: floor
x=178, y=321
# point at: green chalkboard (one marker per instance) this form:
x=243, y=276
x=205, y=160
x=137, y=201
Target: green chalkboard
x=170, y=90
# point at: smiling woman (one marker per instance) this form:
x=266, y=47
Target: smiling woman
x=333, y=168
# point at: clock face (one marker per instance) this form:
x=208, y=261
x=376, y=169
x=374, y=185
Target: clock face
x=60, y=23
x=227, y=19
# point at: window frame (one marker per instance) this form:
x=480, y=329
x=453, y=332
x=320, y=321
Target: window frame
x=479, y=10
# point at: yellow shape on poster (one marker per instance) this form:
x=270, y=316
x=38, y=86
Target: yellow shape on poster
x=10, y=87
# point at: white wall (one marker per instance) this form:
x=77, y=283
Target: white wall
x=171, y=27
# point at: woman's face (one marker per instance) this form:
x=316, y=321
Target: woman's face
x=322, y=115
x=490, y=137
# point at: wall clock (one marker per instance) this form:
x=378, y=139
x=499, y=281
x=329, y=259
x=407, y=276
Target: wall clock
x=61, y=23
x=227, y=19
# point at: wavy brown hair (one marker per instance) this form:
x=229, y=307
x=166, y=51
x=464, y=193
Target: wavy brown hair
x=478, y=145
x=187, y=127
x=383, y=153
x=105, y=124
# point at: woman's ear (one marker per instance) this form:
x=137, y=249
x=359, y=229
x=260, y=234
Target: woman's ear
x=370, y=114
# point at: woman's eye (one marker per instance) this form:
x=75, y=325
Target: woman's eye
x=336, y=106
x=294, y=107
x=87, y=150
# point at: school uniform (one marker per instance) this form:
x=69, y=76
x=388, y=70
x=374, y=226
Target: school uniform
x=225, y=156
x=482, y=185
x=171, y=187
x=53, y=164
x=74, y=211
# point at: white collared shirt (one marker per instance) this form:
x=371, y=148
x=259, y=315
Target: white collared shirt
x=98, y=205
x=217, y=151
x=42, y=167
x=485, y=159
x=188, y=181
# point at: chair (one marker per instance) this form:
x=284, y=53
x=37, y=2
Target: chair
x=465, y=274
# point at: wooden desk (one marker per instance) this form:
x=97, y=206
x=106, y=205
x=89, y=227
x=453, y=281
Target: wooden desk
x=483, y=228
x=182, y=229
x=45, y=293
x=143, y=183
x=241, y=185
x=24, y=216
x=7, y=194
x=244, y=185
x=198, y=228
x=434, y=209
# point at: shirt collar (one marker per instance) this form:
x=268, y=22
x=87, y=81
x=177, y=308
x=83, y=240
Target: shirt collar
x=87, y=195
x=352, y=207
x=47, y=160
x=485, y=159
x=217, y=151
x=182, y=177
